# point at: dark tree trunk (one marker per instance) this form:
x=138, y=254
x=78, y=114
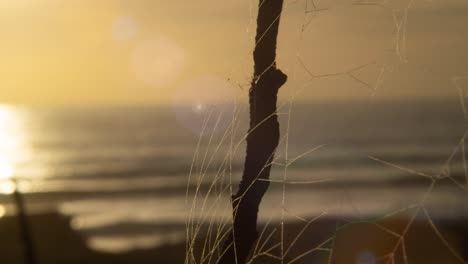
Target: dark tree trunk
x=263, y=136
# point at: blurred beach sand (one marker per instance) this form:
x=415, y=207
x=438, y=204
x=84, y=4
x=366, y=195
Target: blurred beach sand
x=358, y=242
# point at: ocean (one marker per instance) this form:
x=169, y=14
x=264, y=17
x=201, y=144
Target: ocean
x=132, y=177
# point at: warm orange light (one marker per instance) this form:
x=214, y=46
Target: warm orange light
x=2, y=211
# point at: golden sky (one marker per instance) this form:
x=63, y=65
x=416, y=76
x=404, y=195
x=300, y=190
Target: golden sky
x=143, y=51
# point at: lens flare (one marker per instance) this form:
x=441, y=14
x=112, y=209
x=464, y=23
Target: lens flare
x=206, y=103
x=124, y=28
x=158, y=61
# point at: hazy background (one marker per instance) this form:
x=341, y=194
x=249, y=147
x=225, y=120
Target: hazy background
x=103, y=107
x=100, y=52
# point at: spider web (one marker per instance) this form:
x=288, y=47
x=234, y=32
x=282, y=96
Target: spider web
x=215, y=175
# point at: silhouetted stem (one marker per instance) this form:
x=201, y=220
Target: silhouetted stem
x=24, y=228
x=263, y=136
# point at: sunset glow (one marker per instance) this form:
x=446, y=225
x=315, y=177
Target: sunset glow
x=241, y=131
x=139, y=52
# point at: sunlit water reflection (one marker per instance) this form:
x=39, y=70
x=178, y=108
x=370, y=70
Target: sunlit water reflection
x=2, y=211
x=121, y=173
x=13, y=149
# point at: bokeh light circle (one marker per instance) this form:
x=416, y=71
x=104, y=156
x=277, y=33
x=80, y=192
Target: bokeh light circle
x=7, y=187
x=207, y=103
x=124, y=28
x=158, y=61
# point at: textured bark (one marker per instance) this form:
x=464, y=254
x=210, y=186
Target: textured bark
x=263, y=136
